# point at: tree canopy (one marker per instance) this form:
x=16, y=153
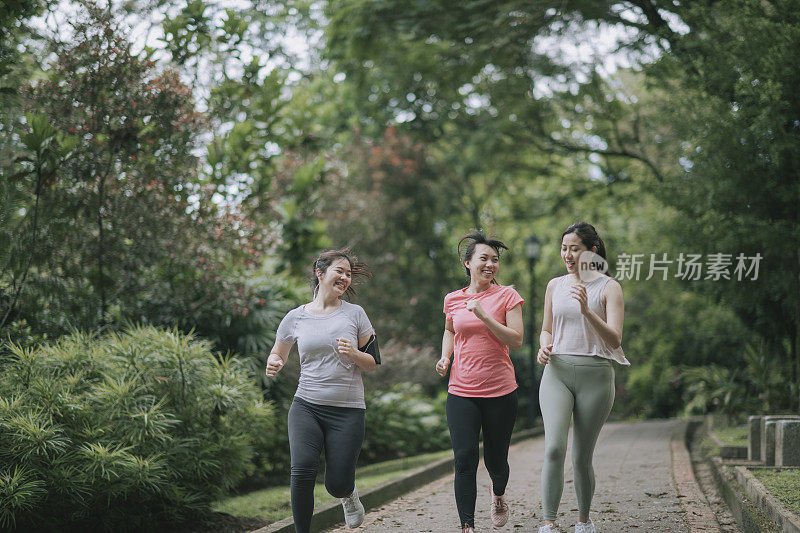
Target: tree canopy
x=188, y=177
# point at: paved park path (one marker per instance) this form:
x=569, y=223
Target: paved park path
x=636, y=488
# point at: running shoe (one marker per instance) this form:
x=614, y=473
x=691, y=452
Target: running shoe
x=498, y=510
x=353, y=510
x=585, y=527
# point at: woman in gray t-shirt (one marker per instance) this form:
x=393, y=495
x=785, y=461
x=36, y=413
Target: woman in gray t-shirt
x=336, y=343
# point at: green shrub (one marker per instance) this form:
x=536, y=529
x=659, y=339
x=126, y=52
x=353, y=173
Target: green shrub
x=122, y=431
x=271, y=461
x=758, y=386
x=652, y=390
x=403, y=421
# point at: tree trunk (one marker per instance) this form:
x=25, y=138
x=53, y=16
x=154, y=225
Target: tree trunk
x=101, y=249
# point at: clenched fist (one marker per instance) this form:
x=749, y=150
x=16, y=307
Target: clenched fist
x=274, y=364
x=442, y=365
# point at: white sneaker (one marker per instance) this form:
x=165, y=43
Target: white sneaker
x=353, y=510
x=585, y=527
x=549, y=528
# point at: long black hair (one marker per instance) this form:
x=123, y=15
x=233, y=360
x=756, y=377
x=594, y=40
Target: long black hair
x=474, y=238
x=588, y=236
x=358, y=270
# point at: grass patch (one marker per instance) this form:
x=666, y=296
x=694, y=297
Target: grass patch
x=274, y=503
x=404, y=464
x=708, y=447
x=784, y=484
x=732, y=435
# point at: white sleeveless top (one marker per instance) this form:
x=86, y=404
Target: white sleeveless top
x=572, y=333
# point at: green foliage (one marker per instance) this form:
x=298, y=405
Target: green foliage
x=389, y=207
x=702, y=115
x=403, y=362
x=652, y=389
x=103, y=213
x=402, y=127
x=757, y=386
x=733, y=435
x=114, y=206
x=716, y=387
x=12, y=12
x=48, y=149
x=403, y=422
x=122, y=431
x=744, y=113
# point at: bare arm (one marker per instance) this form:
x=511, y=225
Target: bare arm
x=448, y=342
x=277, y=358
x=511, y=333
x=546, y=336
x=611, y=329
x=364, y=361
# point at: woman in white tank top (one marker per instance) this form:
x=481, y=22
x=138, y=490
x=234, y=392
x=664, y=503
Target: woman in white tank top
x=581, y=336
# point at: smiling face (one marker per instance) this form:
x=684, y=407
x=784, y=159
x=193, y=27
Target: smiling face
x=337, y=277
x=484, y=264
x=571, y=249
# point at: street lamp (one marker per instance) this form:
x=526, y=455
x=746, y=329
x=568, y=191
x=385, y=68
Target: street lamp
x=532, y=249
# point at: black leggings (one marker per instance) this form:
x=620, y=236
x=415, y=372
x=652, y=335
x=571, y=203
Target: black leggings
x=341, y=431
x=466, y=417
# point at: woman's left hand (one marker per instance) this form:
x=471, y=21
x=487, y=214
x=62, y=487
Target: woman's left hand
x=578, y=293
x=475, y=307
x=346, y=348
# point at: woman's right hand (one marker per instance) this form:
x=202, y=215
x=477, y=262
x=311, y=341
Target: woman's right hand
x=543, y=357
x=274, y=364
x=442, y=365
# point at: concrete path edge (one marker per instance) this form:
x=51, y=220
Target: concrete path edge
x=748, y=517
x=748, y=500
x=769, y=504
x=331, y=514
x=699, y=515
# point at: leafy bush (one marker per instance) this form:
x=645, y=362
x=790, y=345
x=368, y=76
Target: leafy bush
x=405, y=363
x=402, y=422
x=271, y=461
x=760, y=386
x=652, y=389
x=122, y=431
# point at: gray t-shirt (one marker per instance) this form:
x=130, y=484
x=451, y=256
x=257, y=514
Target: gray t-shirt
x=327, y=378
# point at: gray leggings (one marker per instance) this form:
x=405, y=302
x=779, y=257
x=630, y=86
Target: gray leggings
x=581, y=388
x=312, y=428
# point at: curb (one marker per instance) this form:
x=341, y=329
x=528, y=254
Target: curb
x=772, y=507
x=699, y=515
x=728, y=451
x=331, y=514
x=748, y=516
x=755, y=510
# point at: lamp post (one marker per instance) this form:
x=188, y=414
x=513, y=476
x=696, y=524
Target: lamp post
x=532, y=248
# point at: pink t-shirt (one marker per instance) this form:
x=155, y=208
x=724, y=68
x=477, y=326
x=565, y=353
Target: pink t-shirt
x=481, y=367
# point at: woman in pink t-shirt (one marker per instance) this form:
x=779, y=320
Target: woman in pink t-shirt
x=481, y=321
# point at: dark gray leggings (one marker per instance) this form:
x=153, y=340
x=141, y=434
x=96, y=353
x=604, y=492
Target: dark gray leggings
x=340, y=430
x=466, y=417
